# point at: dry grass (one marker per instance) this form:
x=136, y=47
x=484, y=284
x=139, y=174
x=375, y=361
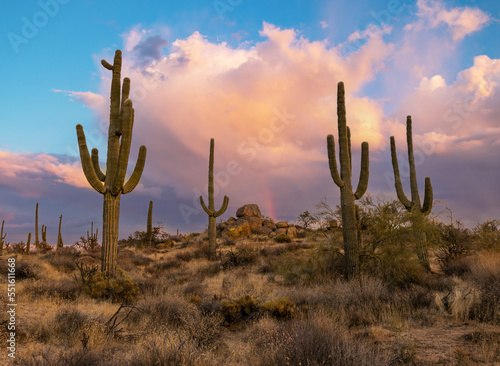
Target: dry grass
x=312, y=316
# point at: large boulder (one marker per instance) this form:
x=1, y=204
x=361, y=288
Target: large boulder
x=291, y=232
x=269, y=223
x=254, y=222
x=250, y=210
x=282, y=224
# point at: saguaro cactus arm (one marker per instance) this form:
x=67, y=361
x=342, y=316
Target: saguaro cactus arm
x=428, y=197
x=332, y=161
x=397, y=178
x=364, y=174
x=87, y=165
x=95, y=163
x=137, y=173
x=211, y=213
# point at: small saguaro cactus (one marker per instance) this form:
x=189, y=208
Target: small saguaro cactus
x=416, y=209
x=59, y=236
x=36, y=226
x=210, y=210
x=2, y=237
x=28, y=243
x=149, y=232
x=112, y=183
x=92, y=237
x=343, y=181
x=44, y=234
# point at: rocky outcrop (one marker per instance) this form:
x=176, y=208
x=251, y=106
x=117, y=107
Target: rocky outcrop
x=250, y=210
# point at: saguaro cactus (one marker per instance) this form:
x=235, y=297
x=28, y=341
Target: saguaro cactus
x=28, y=243
x=112, y=184
x=44, y=234
x=92, y=237
x=210, y=210
x=2, y=237
x=36, y=226
x=59, y=236
x=149, y=233
x=416, y=209
x=343, y=181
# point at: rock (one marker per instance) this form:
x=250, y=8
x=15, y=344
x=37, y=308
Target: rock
x=282, y=224
x=334, y=224
x=291, y=232
x=269, y=223
x=235, y=231
x=254, y=222
x=222, y=225
x=263, y=230
x=280, y=231
x=250, y=210
x=230, y=220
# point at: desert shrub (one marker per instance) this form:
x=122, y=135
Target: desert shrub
x=140, y=260
x=202, y=250
x=138, y=239
x=64, y=288
x=455, y=244
x=281, y=308
x=121, y=289
x=488, y=234
x=184, y=256
x=68, y=357
x=241, y=309
x=17, y=247
x=485, y=274
x=62, y=263
x=314, y=343
x=166, y=265
x=68, y=322
x=243, y=255
x=282, y=238
x=209, y=270
x=26, y=270
x=85, y=243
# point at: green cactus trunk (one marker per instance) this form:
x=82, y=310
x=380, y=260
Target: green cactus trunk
x=343, y=181
x=112, y=184
x=414, y=207
x=110, y=220
x=210, y=210
x=36, y=226
x=149, y=233
x=60, y=243
x=28, y=243
x=2, y=237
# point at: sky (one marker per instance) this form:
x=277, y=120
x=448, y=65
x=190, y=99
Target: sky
x=260, y=77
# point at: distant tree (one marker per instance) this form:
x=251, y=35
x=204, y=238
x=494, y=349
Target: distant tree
x=306, y=219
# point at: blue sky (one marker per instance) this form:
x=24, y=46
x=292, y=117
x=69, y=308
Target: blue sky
x=246, y=59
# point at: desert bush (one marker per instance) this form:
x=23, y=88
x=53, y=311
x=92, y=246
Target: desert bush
x=281, y=308
x=62, y=263
x=26, y=270
x=208, y=270
x=241, y=309
x=282, y=238
x=121, y=289
x=163, y=266
x=64, y=289
x=85, y=243
x=52, y=356
x=184, y=256
x=455, y=244
x=68, y=322
x=243, y=255
x=488, y=234
x=311, y=342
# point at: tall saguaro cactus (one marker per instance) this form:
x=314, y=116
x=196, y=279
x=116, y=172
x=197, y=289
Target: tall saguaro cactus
x=36, y=226
x=343, y=181
x=112, y=184
x=416, y=209
x=149, y=233
x=59, y=236
x=2, y=237
x=210, y=210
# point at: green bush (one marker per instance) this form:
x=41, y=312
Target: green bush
x=281, y=308
x=121, y=289
x=282, y=238
x=244, y=308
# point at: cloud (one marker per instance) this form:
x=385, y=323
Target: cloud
x=323, y=24
x=461, y=21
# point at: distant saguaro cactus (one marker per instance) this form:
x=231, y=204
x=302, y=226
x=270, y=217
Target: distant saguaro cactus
x=59, y=236
x=92, y=237
x=2, y=237
x=149, y=232
x=36, y=226
x=417, y=211
x=28, y=243
x=343, y=181
x=210, y=210
x=112, y=184
x=44, y=234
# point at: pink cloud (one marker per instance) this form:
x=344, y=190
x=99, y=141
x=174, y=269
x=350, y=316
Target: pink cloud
x=461, y=21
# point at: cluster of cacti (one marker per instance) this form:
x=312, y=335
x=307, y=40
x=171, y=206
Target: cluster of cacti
x=343, y=181
x=59, y=236
x=112, y=183
x=2, y=237
x=210, y=210
x=149, y=228
x=92, y=237
x=416, y=209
